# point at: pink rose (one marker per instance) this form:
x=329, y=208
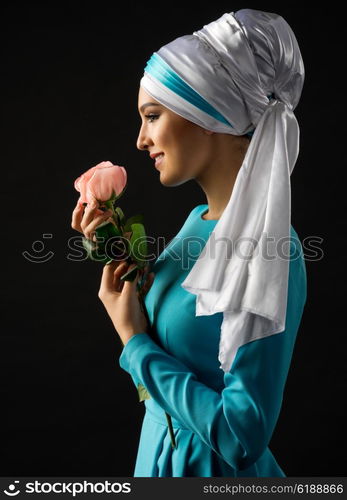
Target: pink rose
x=103, y=182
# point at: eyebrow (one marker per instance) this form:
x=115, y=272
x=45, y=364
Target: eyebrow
x=144, y=106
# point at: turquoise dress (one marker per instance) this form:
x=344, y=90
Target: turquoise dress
x=222, y=422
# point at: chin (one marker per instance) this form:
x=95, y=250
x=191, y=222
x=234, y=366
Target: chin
x=171, y=181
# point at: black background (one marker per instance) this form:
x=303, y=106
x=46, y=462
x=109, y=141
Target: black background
x=70, y=79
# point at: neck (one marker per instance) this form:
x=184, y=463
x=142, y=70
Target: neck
x=218, y=178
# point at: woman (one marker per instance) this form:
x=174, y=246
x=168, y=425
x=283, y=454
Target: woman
x=227, y=298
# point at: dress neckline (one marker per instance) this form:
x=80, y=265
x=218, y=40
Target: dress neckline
x=205, y=209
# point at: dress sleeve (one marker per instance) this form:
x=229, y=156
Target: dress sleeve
x=238, y=422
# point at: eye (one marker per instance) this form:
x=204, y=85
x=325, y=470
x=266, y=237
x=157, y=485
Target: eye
x=151, y=117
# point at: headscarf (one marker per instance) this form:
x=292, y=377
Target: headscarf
x=240, y=74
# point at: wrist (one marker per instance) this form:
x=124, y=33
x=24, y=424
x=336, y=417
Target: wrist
x=126, y=335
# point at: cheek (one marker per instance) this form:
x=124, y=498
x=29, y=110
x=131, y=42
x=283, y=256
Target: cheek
x=185, y=146
x=194, y=149
x=185, y=142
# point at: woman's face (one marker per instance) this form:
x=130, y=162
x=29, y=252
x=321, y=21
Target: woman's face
x=186, y=150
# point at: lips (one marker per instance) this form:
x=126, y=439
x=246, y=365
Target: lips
x=154, y=155
x=159, y=160
x=158, y=157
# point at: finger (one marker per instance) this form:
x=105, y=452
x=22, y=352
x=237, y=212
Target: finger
x=89, y=231
x=131, y=286
x=89, y=213
x=118, y=273
x=108, y=283
x=77, y=216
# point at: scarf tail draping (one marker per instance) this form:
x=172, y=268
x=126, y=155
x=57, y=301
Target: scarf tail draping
x=252, y=290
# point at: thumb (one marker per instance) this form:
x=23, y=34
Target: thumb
x=110, y=276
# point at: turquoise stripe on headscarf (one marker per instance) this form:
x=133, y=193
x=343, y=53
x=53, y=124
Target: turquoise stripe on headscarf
x=159, y=69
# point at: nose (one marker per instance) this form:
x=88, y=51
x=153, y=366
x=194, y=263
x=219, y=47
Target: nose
x=143, y=140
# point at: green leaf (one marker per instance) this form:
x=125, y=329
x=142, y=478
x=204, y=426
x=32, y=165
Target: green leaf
x=106, y=230
x=93, y=251
x=111, y=242
x=143, y=393
x=129, y=275
x=138, y=244
x=96, y=250
x=88, y=245
x=117, y=250
x=132, y=220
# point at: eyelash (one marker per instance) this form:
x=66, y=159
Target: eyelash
x=153, y=116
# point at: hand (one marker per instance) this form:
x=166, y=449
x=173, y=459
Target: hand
x=121, y=299
x=86, y=220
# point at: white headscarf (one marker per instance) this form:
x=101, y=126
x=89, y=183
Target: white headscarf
x=248, y=68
